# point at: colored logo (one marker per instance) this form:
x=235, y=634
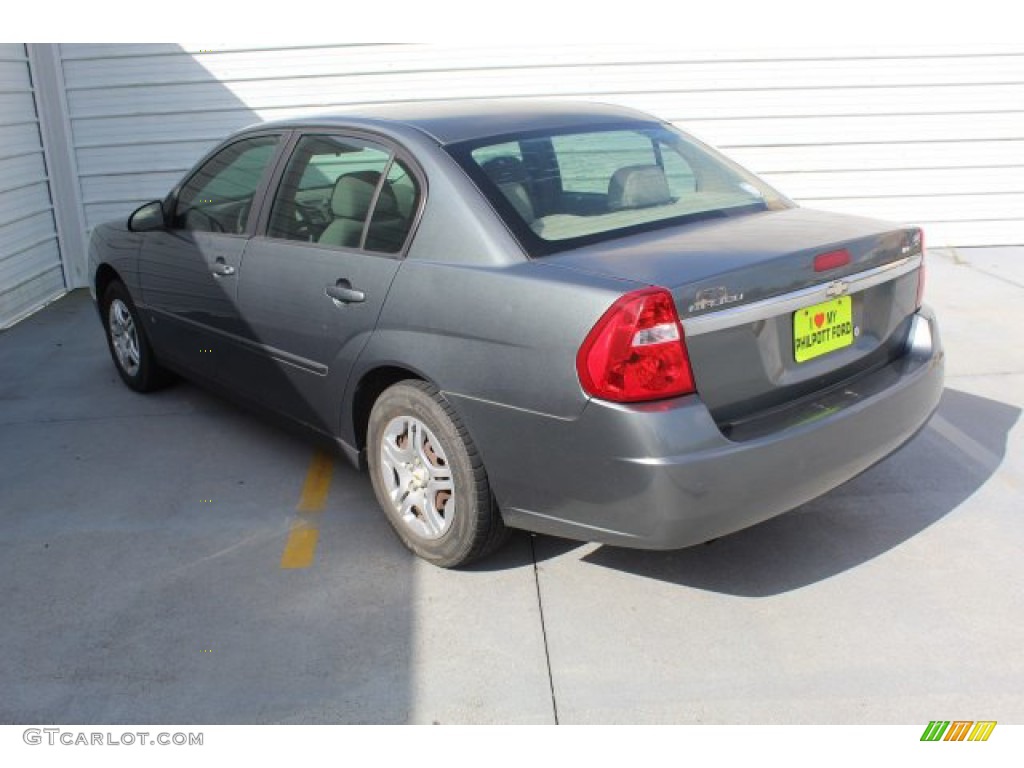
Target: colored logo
x=958, y=730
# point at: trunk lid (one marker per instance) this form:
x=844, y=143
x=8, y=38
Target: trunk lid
x=738, y=284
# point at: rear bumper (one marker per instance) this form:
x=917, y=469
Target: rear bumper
x=663, y=476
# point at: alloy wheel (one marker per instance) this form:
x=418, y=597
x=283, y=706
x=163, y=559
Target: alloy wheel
x=417, y=477
x=124, y=336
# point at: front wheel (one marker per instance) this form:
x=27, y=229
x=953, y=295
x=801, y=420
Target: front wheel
x=429, y=478
x=128, y=344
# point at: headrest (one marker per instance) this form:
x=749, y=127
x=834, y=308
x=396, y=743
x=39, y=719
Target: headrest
x=510, y=175
x=505, y=169
x=638, y=186
x=353, y=193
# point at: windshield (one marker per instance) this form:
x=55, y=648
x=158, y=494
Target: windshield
x=561, y=190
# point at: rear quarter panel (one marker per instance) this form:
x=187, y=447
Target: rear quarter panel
x=507, y=335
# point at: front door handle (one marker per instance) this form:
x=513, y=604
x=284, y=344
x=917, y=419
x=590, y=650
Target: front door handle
x=344, y=292
x=221, y=269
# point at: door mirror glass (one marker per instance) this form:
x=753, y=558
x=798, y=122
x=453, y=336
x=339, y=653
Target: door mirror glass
x=148, y=218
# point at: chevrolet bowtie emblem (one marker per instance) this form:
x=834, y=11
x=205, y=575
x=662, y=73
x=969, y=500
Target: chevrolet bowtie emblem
x=837, y=288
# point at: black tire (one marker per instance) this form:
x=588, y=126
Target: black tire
x=475, y=528
x=146, y=375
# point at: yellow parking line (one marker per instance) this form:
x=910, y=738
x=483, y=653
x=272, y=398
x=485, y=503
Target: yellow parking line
x=318, y=483
x=300, y=548
x=301, y=545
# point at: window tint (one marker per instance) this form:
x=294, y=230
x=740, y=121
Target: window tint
x=393, y=214
x=503, y=164
x=218, y=197
x=678, y=173
x=561, y=190
x=330, y=187
x=508, y=149
x=587, y=161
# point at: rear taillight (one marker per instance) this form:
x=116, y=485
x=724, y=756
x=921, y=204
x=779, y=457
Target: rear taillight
x=636, y=351
x=920, y=272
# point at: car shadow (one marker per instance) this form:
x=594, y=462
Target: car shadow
x=882, y=508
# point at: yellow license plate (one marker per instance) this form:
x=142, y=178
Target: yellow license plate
x=822, y=328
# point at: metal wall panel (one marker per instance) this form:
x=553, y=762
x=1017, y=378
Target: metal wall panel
x=924, y=134
x=30, y=266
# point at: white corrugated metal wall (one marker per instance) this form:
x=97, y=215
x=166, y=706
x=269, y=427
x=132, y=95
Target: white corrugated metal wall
x=933, y=136
x=30, y=264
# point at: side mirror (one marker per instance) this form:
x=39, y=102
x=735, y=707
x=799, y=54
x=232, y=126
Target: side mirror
x=147, y=218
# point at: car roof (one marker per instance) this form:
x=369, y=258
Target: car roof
x=449, y=122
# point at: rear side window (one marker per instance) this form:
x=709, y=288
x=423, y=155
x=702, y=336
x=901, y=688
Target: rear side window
x=393, y=213
x=344, y=192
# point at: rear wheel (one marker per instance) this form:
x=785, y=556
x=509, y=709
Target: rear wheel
x=128, y=344
x=429, y=478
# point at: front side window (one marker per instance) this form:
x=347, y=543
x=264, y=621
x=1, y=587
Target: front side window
x=219, y=196
x=344, y=192
x=561, y=190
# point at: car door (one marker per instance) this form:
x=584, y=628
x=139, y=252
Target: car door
x=312, y=286
x=188, y=270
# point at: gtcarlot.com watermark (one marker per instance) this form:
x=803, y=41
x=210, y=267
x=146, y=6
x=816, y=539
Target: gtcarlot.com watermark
x=58, y=736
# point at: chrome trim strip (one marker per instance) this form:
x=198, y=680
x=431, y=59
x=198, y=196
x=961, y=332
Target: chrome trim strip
x=791, y=302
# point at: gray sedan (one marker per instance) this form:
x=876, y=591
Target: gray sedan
x=569, y=318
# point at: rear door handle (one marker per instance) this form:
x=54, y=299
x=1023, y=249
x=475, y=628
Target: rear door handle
x=344, y=292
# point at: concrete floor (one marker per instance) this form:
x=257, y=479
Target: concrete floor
x=141, y=539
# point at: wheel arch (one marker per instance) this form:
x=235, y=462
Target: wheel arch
x=371, y=384
x=105, y=275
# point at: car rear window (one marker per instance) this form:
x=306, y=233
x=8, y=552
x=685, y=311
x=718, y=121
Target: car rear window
x=563, y=189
